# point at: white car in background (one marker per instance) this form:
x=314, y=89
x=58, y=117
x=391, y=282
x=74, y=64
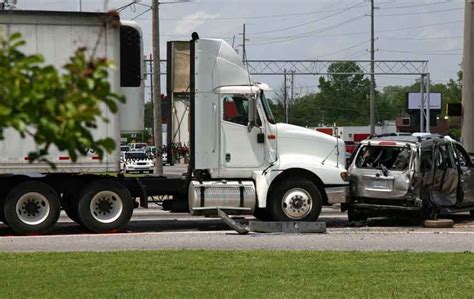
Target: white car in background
x=137, y=161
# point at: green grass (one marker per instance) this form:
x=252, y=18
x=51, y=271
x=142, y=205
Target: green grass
x=236, y=274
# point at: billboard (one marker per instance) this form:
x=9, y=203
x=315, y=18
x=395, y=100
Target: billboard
x=414, y=101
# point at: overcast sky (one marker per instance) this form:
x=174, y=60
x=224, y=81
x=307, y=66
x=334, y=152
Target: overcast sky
x=307, y=29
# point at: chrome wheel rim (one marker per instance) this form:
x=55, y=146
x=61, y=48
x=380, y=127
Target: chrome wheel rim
x=106, y=206
x=32, y=208
x=297, y=203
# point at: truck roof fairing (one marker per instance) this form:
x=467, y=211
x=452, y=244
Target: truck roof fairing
x=218, y=65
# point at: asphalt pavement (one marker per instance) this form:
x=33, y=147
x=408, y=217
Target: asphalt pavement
x=152, y=229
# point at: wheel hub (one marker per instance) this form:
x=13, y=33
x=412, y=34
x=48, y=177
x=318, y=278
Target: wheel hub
x=106, y=206
x=297, y=203
x=32, y=208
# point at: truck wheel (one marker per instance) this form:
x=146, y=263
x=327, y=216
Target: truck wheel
x=354, y=215
x=32, y=208
x=295, y=199
x=105, y=206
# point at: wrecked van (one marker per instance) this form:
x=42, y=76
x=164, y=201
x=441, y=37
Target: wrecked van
x=425, y=174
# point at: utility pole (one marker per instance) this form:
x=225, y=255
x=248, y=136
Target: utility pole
x=285, y=98
x=157, y=131
x=292, y=86
x=467, y=129
x=372, y=70
x=244, y=53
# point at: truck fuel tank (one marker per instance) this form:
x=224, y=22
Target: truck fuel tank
x=234, y=197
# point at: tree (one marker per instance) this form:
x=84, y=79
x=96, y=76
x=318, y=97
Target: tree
x=344, y=99
x=54, y=107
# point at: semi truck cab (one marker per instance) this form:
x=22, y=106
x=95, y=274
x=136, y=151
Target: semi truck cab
x=234, y=138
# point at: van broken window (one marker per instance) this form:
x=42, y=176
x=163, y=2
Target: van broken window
x=389, y=157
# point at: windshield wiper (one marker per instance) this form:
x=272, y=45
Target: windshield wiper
x=384, y=169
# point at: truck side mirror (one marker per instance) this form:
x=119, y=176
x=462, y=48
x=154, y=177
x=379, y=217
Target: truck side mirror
x=252, y=113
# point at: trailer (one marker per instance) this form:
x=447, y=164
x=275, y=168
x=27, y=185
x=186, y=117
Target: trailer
x=241, y=160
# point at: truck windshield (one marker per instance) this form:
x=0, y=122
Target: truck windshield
x=390, y=157
x=266, y=107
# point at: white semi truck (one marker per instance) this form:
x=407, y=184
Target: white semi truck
x=241, y=161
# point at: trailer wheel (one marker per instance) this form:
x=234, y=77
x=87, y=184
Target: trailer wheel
x=105, y=206
x=31, y=208
x=295, y=199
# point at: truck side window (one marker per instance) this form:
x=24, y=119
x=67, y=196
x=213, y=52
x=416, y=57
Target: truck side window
x=236, y=110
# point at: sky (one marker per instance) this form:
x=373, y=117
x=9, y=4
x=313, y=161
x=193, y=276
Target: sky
x=306, y=29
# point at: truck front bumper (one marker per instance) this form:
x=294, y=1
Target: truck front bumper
x=337, y=194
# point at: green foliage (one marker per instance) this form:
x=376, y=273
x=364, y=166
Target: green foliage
x=344, y=100
x=60, y=108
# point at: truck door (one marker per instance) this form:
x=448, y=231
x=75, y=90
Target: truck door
x=239, y=144
x=466, y=176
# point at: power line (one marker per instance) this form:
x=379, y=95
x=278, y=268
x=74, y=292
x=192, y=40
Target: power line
x=312, y=21
x=416, y=5
x=419, y=13
x=310, y=33
x=361, y=32
x=420, y=37
x=421, y=52
x=420, y=26
x=344, y=49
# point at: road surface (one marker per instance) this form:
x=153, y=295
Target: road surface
x=157, y=229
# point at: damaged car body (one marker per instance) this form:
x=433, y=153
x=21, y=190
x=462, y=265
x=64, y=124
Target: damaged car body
x=426, y=174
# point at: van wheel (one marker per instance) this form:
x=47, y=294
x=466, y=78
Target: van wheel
x=31, y=208
x=105, y=206
x=295, y=199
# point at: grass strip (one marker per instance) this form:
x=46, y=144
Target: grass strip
x=235, y=274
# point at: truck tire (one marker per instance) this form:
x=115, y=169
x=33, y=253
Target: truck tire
x=2, y=214
x=295, y=199
x=31, y=207
x=69, y=205
x=354, y=215
x=105, y=206
x=262, y=214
